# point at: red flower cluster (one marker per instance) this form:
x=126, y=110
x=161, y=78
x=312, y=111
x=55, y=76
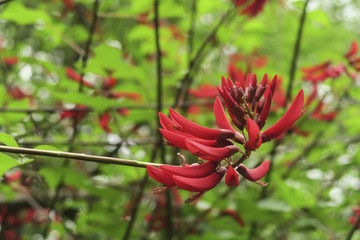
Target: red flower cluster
x=12, y=219
x=107, y=91
x=322, y=71
x=203, y=93
x=248, y=104
x=10, y=60
x=252, y=7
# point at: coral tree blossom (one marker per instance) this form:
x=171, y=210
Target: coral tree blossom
x=248, y=104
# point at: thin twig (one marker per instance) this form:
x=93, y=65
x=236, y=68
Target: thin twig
x=169, y=229
x=296, y=53
x=89, y=109
x=190, y=40
x=185, y=81
x=5, y=1
x=88, y=44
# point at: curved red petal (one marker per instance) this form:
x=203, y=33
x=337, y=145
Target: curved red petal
x=266, y=109
x=256, y=173
x=200, y=131
x=220, y=116
x=197, y=184
x=196, y=171
x=210, y=153
x=287, y=120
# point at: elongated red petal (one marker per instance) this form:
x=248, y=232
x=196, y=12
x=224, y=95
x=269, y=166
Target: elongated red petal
x=256, y=173
x=266, y=109
x=231, y=177
x=220, y=116
x=160, y=176
x=166, y=123
x=352, y=51
x=74, y=76
x=210, y=153
x=198, y=184
x=254, y=140
x=318, y=68
x=200, y=131
x=272, y=85
x=177, y=139
x=287, y=120
x=197, y=171
x=223, y=121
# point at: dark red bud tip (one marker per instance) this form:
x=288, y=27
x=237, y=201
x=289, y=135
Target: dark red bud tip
x=256, y=173
x=231, y=177
x=272, y=85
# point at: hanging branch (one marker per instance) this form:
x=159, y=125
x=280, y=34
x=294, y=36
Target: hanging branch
x=296, y=52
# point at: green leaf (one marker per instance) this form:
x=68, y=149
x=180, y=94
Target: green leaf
x=48, y=148
x=8, y=140
x=6, y=162
x=16, y=12
x=52, y=176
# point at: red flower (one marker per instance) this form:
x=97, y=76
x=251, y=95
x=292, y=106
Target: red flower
x=352, y=51
x=319, y=115
x=248, y=105
x=254, y=8
x=79, y=114
x=10, y=176
x=109, y=82
x=104, y=122
x=321, y=72
x=10, y=60
x=204, y=91
x=74, y=76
